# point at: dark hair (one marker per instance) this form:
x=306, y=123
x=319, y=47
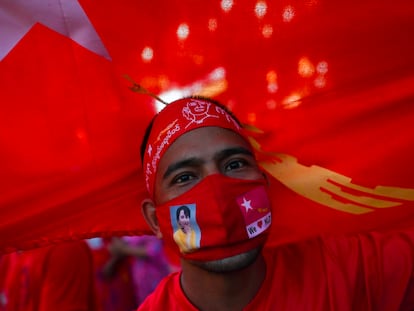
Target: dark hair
x=149, y=127
x=145, y=138
x=184, y=208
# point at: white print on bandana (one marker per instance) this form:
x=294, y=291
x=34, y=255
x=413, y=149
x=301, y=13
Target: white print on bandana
x=165, y=130
x=149, y=150
x=259, y=226
x=148, y=172
x=197, y=111
x=164, y=142
x=228, y=117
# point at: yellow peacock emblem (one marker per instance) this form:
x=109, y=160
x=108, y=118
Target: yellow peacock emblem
x=325, y=186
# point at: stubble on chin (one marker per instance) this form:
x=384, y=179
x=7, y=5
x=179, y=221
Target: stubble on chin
x=229, y=264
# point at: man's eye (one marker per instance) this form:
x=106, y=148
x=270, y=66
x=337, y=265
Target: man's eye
x=182, y=178
x=235, y=164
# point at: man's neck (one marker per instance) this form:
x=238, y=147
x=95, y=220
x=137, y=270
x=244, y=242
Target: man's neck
x=230, y=291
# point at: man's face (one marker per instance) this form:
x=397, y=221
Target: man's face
x=199, y=153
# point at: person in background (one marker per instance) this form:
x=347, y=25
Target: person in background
x=5, y=266
x=113, y=278
x=206, y=160
x=147, y=261
x=56, y=277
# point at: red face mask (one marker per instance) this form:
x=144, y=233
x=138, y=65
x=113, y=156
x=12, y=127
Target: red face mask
x=219, y=217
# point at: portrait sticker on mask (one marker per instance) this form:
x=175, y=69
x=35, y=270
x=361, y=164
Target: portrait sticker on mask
x=233, y=218
x=255, y=208
x=187, y=233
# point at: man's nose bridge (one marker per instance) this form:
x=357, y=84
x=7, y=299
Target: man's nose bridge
x=211, y=168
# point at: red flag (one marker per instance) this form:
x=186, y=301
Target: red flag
x=70, y=135
x=329, y=84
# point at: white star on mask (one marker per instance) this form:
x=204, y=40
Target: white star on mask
x=17, y=17
x=247, y=204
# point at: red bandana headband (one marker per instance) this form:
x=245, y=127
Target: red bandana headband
x=178, y=118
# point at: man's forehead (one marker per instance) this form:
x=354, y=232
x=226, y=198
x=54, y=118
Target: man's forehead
x=197, y=139
x=204, y=144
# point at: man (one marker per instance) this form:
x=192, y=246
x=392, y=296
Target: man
x=208, y=163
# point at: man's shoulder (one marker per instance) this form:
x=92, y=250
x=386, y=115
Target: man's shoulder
x=166, y=296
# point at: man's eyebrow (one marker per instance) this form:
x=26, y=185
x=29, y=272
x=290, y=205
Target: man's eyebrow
x=180, y=164
x=228, y=152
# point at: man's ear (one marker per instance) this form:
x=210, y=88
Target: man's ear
x=148, y=211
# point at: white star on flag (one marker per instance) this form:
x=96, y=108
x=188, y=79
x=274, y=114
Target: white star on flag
x=247, y=204
x=66, y=17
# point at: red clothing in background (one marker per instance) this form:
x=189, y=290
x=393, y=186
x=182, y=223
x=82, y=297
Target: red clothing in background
x=363, y=272
x=114, y=292
x=58, y=277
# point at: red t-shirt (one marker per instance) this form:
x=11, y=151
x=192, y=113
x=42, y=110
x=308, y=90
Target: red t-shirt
x=361, y=272
x=59, y=277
